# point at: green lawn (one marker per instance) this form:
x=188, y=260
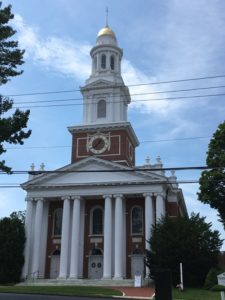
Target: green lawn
x=61, y=290
x=188, y=294
x=195, y=294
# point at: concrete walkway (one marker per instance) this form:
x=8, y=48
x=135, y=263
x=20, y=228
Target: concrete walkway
x=136, y=292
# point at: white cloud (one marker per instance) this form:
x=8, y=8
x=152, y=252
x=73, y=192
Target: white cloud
x=62, y=55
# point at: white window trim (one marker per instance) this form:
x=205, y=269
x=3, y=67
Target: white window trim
x=91, y=221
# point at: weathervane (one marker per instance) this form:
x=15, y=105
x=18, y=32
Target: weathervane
x=107, y=15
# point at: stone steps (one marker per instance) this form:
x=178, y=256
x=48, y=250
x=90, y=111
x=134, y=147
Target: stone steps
x=78, y=282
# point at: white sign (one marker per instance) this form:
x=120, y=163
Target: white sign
x=221, y=279
x=137, y=281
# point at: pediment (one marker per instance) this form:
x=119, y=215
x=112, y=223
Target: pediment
x=82, y=174
x=98, y=83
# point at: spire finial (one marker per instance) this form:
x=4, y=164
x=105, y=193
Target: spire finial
x=106, y=17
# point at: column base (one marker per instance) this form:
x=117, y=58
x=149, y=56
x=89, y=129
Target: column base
x=106, y=278
x=62, y=277
x=73, y=277
x=118, y=278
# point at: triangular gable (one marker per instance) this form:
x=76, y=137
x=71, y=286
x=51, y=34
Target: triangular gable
x=72, y=176
x=99, y=83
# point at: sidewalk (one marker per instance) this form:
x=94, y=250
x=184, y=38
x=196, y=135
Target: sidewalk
x=136, y=292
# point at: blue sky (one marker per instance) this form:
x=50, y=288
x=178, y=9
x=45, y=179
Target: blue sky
x=162, y=41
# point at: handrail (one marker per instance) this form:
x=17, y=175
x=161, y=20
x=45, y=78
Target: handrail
x=32, y=275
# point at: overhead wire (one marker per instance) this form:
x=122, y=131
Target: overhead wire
x=116, y=95
x=187, y=181
x=141, y=142
x=140, y=100
x=129, y=85
x=135, y=169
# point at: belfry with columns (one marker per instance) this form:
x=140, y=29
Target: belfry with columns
x=92, y=218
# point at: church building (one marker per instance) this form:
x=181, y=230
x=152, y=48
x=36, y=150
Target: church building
x=92, y=218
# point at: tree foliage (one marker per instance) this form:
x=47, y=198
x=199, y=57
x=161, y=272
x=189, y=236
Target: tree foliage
x=12, y=240
x=11, y=127
x=212, y=182
x=187, y=240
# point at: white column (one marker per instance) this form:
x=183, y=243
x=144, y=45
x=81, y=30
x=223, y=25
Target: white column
x=160, y=207
x=63, y=269
x=75, y=238
x=107, y=259
x=44, y=235
x=149, y=220
x=37, y=236
x=118, y=271
x=98, y=62
x=28, y=232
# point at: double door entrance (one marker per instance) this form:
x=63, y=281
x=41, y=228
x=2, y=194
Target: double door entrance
x=95, y=268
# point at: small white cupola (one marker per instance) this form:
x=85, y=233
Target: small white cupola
x=106, y=57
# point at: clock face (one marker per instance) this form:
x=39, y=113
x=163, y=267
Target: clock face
x=98, y=144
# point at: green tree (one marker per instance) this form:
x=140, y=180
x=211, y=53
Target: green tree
x=184, y=240
x=212, y=182
x=12, y=240
x=11, y=127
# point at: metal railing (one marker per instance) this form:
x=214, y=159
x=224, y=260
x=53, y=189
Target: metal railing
x=33, y=275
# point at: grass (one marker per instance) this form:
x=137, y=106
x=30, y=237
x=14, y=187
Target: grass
x=188, y=294
x=61, y=290
x=195, y=294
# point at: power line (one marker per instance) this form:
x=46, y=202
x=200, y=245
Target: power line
x=116, y=86
x=188, y=181
x=141, y=142
x=116, y=95
x=140, y=100
x=136, y=169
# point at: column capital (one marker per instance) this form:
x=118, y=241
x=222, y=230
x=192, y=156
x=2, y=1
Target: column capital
x=148, y=194
x=107, y=196
x=65, y=197
x=75, y=197
x=38, y=199
x=159, y=195
x=118, y=196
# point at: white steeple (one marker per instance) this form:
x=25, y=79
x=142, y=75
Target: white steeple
x=105, y=95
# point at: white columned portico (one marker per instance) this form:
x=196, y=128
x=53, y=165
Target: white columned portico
x=75, y=238
x=160, y=207
x=107, y=259
x=37, y=236
x=28, y=231
x=149, y=221
x=118, y=271
x=63, y=269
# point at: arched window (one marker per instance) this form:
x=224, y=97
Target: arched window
x=101, y=109
x=57, y=222
x=137, y=220
x=97, y=221
x=103, y=61
x=112, y=62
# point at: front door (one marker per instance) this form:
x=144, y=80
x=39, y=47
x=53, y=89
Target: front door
x=54, y=269
x=95, y=268
x=137, y=265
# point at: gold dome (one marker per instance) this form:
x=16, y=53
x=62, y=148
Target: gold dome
x=106, y=31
